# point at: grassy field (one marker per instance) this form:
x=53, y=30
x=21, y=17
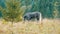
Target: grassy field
x=48, y=26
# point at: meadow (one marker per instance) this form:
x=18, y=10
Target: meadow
x=48, y=26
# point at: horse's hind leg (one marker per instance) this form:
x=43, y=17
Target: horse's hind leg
x=37, y=19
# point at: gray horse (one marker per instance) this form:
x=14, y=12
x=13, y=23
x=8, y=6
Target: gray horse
x=32, y=15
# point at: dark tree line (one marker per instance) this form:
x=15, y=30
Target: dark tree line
x=48, y=8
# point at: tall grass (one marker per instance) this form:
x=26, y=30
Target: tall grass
x=48, y=26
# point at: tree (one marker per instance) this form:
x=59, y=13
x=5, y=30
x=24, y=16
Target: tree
x=13, y=10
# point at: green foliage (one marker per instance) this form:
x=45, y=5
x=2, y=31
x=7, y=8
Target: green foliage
x=48, y=8
x=56, y=10
x=13, y=10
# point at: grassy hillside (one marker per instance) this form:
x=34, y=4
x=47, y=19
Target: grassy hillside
x=48, y=26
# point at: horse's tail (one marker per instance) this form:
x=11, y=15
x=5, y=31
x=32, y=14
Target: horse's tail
x=40, y=18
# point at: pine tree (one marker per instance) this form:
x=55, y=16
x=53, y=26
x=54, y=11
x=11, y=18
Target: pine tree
x=13, y=10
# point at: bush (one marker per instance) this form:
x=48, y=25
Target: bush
x=13, y=11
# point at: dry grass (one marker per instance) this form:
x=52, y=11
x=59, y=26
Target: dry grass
x=48, y=26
